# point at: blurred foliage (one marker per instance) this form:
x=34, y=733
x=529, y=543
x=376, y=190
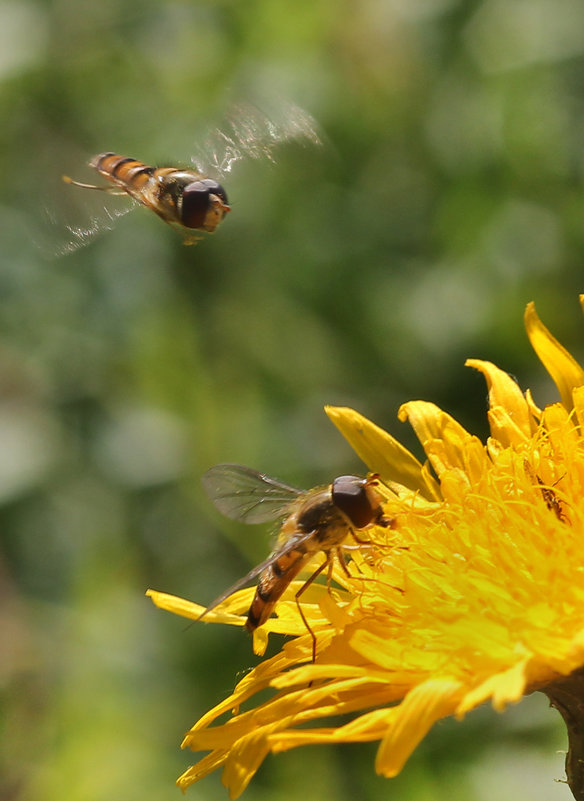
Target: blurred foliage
x=446, y=195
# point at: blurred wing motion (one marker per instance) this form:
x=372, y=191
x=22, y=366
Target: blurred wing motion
x=247, y=496
x=189, y=199
x=58, y=240
x=249, y=133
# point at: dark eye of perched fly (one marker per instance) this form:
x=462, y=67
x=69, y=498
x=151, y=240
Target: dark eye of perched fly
x=196, y=201
x=350, y=495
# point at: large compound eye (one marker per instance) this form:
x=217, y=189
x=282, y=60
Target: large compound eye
x=350, y=495
x=196, y=201
x=215, y=189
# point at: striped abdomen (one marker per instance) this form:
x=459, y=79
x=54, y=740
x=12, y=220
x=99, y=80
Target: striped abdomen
x=272, y=583
x=122, y=170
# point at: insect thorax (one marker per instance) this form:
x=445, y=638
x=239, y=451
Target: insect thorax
x=328, y=523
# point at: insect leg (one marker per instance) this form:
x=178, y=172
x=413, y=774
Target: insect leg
x=342, y=562
x=362, y=578
x=304, y=587
x=109, y=189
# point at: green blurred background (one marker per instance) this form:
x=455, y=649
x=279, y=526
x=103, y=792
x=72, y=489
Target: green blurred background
x=447, y=194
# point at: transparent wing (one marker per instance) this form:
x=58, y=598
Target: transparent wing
x=63, y=238
x=74, y=217
x=250, y=133
x=290, y=545
x=245, y=495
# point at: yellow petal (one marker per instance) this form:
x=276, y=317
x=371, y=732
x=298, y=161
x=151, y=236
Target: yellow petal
x=184, y=608
x=205, y=766
x=172, y=603
x=563, y=368
x=504, y=688
x=381, y=452
x=534, y=409
x=510, y=417
x=577, y=645
x=578, y=398
x=244, y=759
x=260, y=641
x=447, y=443
x=363, y=729
x=503, y=428
x=415, y=716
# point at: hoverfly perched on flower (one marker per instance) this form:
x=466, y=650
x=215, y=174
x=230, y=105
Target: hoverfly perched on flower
x=191, y=198
x=185, y=198
x=316, y=520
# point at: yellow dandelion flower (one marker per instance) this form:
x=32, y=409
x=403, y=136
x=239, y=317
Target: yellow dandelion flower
x=476, y=593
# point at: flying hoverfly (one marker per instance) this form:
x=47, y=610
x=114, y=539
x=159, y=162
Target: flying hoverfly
x=312, y=521
x=181, y=197
x=247, y=133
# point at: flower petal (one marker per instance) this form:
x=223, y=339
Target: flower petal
x=578, y=398
x=184, y=608
x=415, y=716
x=447, y=444
x=510, y=416
x=563, y=368
x=504, y=688
x=370, y=726
x=244, y=760
x=381, y=452
x=172, y=603
x=205, y=766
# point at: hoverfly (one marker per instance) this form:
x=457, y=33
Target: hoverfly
x=246, y=134
x=315, y=520
x=183, y=198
